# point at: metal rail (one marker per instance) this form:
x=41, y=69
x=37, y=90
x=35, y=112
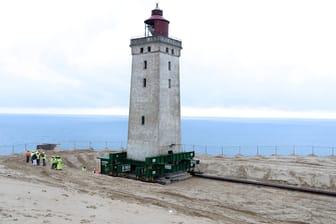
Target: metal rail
x=265, y=184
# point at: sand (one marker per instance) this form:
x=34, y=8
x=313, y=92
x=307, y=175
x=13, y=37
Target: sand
x=308, y=171
x=40, y=195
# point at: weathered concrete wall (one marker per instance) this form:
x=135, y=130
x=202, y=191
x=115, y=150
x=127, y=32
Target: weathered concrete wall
x=158, y=102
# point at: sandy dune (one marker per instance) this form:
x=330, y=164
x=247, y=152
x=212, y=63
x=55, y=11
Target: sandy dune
x=41, y=195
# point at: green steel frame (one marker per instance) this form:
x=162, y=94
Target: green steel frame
x=117, y=164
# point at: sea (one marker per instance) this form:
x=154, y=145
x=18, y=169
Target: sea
x=213, y=136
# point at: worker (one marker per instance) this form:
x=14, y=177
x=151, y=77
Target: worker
x=44, y=158
x=59, y=165
x=27, y=155
x=38, y=155
x=53, y=162
x=33, y=158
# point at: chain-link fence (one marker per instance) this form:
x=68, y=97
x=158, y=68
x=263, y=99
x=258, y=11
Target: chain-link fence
x=264, y=150
x=64, y=145
x=244, y=150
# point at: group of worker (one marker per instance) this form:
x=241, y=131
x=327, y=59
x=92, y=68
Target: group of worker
x=36, y=156
x=56, y=162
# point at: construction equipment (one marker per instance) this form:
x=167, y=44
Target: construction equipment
x=152, y=169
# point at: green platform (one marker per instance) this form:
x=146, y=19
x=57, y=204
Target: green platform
x=117, y=164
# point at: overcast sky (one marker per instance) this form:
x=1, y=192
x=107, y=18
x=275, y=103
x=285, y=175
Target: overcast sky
x=239, y=58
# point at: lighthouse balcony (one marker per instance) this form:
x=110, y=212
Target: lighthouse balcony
x=155, y=39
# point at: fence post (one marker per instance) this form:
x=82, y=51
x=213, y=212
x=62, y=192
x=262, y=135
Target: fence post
x=293, y=150
x=276, y=150
x=206, y=150
x=257, y=150
x=106, y=145
x=74, y=144
x=332, y=151
x=25, y=147
x=89, y=144
x=13, y=149
x=239, y=150
x=312, y=150
x=222, y=151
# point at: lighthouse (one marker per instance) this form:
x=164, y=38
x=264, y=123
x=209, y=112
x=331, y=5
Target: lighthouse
x=154, y=126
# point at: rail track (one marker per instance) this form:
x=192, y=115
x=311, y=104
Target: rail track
x=265, y=184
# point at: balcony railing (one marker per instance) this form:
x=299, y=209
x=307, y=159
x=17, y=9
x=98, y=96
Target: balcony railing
x=162, y=39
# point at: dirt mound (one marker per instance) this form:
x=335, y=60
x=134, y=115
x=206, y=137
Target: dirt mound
x=310, y=171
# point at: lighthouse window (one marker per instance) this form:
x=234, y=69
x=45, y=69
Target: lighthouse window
x=144, y=82
x=169, y=65
x=142, y=120
x=167, y=50
x=145, y=64
x=169, y=83
x=141, y=50
x=149, y=49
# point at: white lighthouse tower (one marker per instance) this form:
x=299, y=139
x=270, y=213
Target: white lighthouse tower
x=154, y=126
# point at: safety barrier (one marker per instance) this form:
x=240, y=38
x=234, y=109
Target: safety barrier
x=224, y=150
x=263, y=150
x=64, y=145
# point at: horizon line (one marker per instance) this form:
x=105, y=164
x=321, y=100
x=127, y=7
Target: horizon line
x=187, y=112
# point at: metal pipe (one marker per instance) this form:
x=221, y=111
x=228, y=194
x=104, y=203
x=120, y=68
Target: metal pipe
x=265, y=184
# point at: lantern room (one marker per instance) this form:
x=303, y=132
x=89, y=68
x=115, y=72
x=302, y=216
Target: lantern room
x=156, y=25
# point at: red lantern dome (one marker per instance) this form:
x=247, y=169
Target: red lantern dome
x=156, y=24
